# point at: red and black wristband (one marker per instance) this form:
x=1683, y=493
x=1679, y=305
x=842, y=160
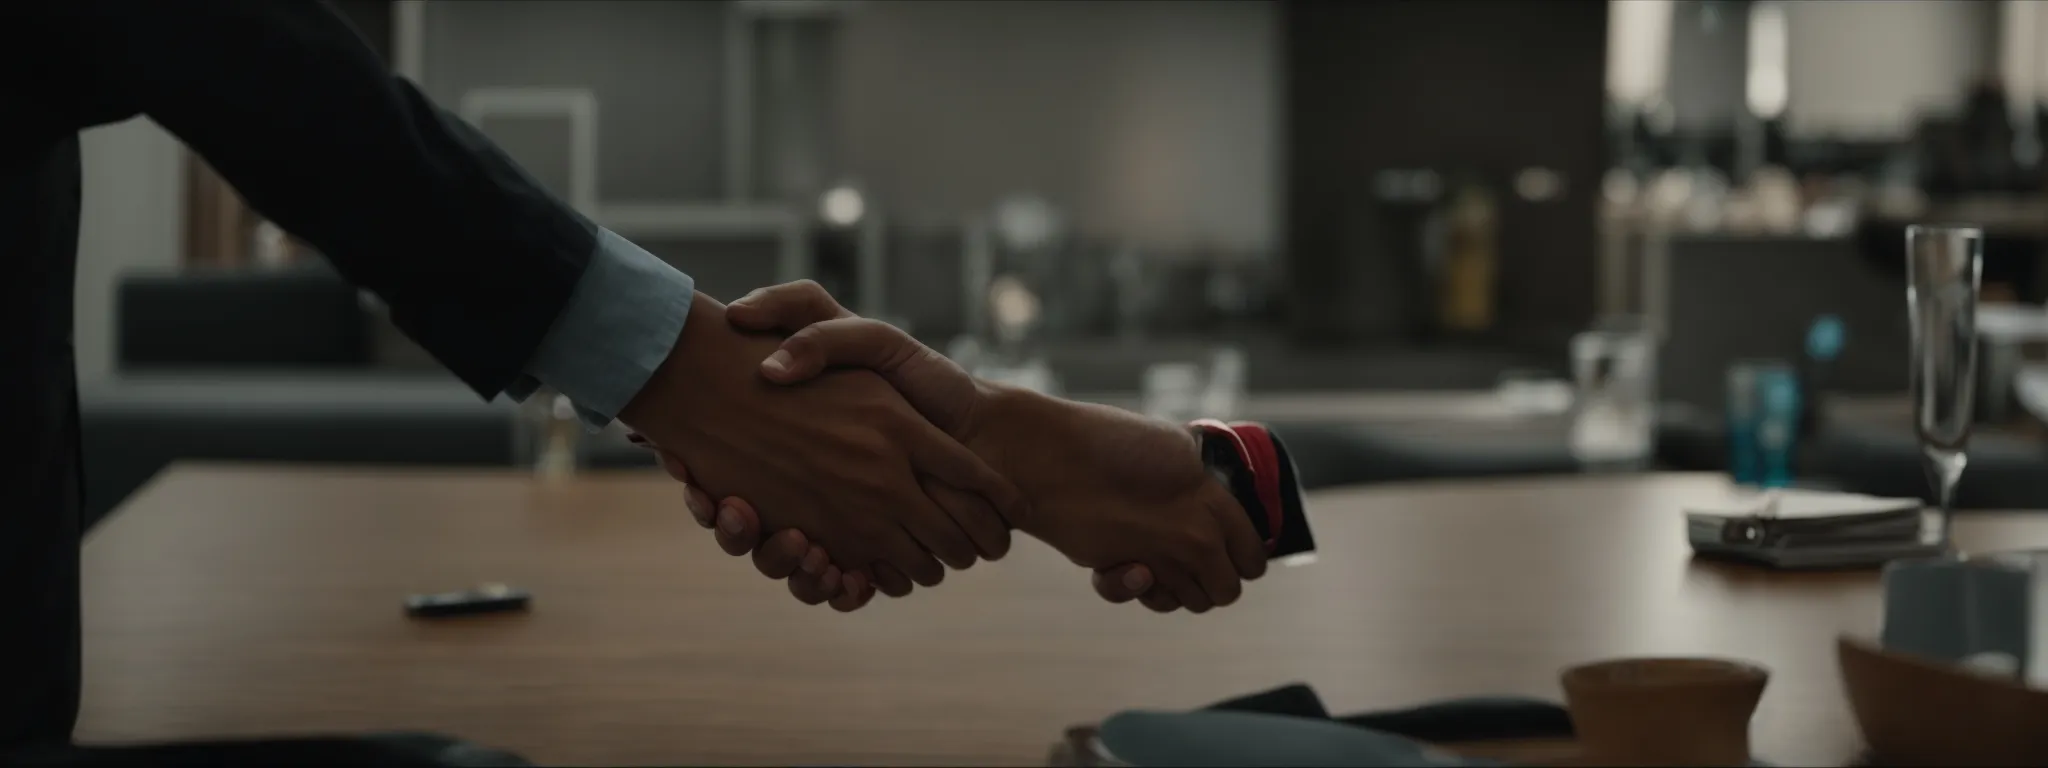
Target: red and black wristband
x=1254, y=464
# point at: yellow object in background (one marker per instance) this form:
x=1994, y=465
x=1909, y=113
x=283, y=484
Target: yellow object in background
x=1471, y=259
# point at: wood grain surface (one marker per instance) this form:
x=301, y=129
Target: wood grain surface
x=227, y=601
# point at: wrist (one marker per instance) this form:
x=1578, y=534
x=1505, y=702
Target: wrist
x=1017, y=433
x=687, y=370
x=1061, y=452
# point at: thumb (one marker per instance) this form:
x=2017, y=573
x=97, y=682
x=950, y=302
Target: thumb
x=1123, y=583
x=850, y=342
x=784, y=307
x=938, y=388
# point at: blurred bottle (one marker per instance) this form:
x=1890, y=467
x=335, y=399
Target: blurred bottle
x=550, y=435
x=1614, y=418
x=1227, y=388
x=1763, y=422
x=1465, y=302
x=1173, y=392
x=1777, y=432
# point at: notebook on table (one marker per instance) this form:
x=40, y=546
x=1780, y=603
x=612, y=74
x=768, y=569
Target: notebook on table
x=1795, y=528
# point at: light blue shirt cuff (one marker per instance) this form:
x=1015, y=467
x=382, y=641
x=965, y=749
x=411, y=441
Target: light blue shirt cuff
x=620, y=323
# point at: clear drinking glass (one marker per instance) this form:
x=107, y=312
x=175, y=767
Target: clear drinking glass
x=1943, y=267
x=1614, y=411
x=549, y=435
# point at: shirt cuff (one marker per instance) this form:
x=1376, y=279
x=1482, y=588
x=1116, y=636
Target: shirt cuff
x=620, y=323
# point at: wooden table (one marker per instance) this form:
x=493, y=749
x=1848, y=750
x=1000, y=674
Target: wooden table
x=226, y=601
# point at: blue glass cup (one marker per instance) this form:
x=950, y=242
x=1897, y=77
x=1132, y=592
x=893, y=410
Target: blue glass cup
x=1763, y=422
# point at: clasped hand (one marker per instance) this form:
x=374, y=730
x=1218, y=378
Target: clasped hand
x=1125, y=495
x=844, y=459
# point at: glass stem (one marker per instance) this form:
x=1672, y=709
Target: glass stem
x=1945, y=469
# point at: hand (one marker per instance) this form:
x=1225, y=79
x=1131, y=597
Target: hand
x=809, y=570
x=788, y=555
x=1107, y=486
x=845, y=459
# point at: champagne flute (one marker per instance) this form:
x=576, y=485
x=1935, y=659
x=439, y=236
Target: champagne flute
x=1943, y=267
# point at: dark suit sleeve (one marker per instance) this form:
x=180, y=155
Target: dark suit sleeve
x=302, y=117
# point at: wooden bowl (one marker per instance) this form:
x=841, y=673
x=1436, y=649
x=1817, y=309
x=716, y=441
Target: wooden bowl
x=1664, y=711
x=1915, y=711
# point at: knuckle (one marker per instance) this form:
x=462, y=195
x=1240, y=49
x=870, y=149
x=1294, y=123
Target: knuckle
x=1189, y=542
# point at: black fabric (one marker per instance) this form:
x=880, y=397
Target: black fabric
x=291, y=319
x=39, y=474
x=288, y=103
x=398, y=750
x=1447, y=722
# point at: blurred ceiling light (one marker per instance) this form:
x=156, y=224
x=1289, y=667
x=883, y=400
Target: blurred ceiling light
x=1026, y=222
x=1638, y=49
x=842, y=206
x=1014, y=305
x=1620, y=186
x=1539, y=185
x=1768, y=86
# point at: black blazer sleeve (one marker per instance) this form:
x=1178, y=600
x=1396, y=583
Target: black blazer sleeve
x=302, y=117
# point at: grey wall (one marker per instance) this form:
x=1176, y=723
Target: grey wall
x=1154, y=120
x=131, y=217
x=1867, y=67
x=1709, y=63
x=657, y=69
x=1857, y=68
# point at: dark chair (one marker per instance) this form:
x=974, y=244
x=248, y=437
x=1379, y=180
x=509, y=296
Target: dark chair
x=297, y=318
x=133, y=428
x=2005, y=471
x=1333, y=453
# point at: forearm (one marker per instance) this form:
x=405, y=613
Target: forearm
x=1052, y=448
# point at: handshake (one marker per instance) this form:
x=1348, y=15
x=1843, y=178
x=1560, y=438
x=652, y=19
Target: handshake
x=848, y=458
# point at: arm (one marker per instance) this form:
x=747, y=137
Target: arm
x=487, y=271
x=474, y=259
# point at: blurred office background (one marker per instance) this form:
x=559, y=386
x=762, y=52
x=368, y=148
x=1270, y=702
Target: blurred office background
x=1391, y=229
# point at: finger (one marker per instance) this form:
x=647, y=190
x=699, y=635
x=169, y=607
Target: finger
x=1123, y=583
x=786, y=307
x=701, y=507
x=935, y=454
x=694, y=498
x=1217, y=577
x=812, y=590
x=783, y=554
x=855, y=590
x=1240, y=538
x=987, y=530
x=933, y=539
x=739, y=528
x=1159, y=600
x=673, y=465
x=815, y=562
x=1183, y=587
x=893, y=583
